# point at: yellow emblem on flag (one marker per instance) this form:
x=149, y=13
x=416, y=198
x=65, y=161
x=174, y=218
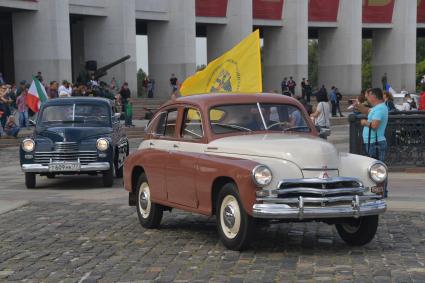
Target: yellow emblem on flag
x=237, y=70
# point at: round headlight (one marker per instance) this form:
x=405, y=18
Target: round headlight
x=262, y=175
x=102, y=144
x=28, y=145
x=378, y=172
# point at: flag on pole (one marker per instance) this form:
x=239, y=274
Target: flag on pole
x=389, y=89
x=36, y=95
x=237, y=70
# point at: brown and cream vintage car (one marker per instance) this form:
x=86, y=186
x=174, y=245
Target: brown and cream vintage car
x=249, y=158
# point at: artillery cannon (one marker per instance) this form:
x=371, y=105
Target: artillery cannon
x=92, y=70
x=103, y=70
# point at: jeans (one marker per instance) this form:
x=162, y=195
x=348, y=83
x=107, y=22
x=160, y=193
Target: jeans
x=23, y=119
x=379, y=150
x=128, y=120
x=13, y=132
x=333, y=108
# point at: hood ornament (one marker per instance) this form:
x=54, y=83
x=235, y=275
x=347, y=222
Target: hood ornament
x=324, y=174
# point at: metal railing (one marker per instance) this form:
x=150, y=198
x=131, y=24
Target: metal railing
x=405, y=134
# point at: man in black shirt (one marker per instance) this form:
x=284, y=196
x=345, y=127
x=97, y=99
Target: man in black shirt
x=173, y=83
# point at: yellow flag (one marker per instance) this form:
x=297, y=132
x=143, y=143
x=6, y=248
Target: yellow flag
x=237, y=70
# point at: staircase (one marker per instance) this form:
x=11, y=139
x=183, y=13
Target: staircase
x=141, y=104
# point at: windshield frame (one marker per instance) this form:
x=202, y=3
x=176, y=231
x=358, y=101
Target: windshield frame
x=302, y=111
x=73, y=123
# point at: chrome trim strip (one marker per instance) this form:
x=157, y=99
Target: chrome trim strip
x=318, y=199
x=40, y=168
x=283, y=211
x=323, y=192
x=318, y=181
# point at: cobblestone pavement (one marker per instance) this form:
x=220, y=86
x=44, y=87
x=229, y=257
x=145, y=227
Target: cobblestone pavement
x=58, y=242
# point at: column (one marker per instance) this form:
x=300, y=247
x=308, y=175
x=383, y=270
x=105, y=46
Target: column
x=394, y=50
x=172, y=46
x=340, y=50
x=221, y=38
x=285, y=51
x=109, y=38
x=41, y=42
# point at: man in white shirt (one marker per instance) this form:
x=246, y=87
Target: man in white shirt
x=65, y=88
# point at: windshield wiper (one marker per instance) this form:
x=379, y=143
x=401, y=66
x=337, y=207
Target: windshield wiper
x=72, y=121
x=236, y=127
x=296, y=128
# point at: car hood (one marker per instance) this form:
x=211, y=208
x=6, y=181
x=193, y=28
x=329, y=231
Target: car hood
x=73, y=134
x=304, y=150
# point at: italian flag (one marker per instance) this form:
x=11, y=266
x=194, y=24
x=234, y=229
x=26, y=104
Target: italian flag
x=36, y=95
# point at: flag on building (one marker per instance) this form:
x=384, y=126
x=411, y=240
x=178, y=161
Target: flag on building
x=238, y=70
x=36, y=95
x=389, y=89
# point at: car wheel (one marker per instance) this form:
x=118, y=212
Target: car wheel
x=235, y=226
x=358, y=232
x=108, y=177
x=30, y=180
x=149, y=213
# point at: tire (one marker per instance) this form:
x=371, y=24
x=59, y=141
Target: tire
x=30, y=180
x=50, y=176
x=358, y=232
x=108, y=177
x=149, y=213
x=237, y=229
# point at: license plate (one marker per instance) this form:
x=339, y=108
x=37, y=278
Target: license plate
x=64, y=167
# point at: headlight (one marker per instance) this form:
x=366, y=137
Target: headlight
x=102, y=144
x=262, y=175
x=378, y=172
x=28, y=145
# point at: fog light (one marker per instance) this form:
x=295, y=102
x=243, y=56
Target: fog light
x=28, y=156
x=262, y=193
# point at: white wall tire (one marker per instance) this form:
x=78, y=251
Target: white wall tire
x=149, y=213
x=235, y=226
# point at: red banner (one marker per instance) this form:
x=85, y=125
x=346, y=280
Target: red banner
x=267, y=9
x=323, y=10
x=378, y=11
x=211, y=8
x=421, y=11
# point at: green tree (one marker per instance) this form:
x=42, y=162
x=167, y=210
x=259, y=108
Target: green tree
x=313, y=61
x=141, y=91
x=366, y=63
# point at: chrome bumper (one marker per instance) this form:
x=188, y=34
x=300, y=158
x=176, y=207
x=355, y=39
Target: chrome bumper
x=40, y=168
x=284, y=211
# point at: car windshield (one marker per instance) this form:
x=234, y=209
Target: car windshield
x=257, y=117
x=75, y=115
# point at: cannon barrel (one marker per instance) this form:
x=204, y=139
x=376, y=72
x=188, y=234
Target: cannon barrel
x=103, y=70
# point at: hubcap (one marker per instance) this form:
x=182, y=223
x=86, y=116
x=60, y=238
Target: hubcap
x=144, y=200
x=352, y=227
x=230, y=217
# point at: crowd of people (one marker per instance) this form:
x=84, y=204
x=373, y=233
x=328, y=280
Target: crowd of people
x=14, y=111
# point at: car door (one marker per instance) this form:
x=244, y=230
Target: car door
x=157, y=154
x=181, y=168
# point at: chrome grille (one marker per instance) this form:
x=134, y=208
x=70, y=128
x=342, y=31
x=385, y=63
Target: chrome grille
x=57, y=156
x=66, y=146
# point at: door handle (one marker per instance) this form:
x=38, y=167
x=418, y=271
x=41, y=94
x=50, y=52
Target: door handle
x=175, y=146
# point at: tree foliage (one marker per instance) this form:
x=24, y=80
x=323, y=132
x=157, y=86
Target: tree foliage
x=313, y=61
x=141, y=75
x=366, y=63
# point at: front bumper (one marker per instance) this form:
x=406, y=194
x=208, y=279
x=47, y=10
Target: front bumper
x=40, y=168
x=284, y=211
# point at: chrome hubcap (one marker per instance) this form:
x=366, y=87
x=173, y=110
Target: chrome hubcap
x=230, y=217
x=144, y=200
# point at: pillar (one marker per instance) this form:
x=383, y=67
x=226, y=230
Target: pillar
x=394, y=49
x=172, y=46
x=285, y=51
x=77, y=48
x=340, y=50
x=109, y=38
x=221, y=38
x=41, y=42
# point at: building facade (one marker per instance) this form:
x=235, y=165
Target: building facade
x=57, y=37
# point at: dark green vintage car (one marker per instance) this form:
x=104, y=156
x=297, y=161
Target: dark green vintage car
x=75, y=136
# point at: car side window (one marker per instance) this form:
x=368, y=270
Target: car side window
x=167, y=123
x=192, y=124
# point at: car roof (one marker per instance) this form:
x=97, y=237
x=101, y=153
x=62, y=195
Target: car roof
x=211, y=99
x=69, y=100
